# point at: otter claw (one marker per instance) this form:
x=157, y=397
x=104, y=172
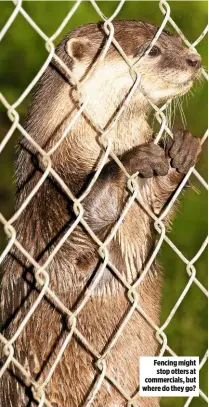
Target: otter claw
x=148, y=160
x=184, y=151
x=153, y=161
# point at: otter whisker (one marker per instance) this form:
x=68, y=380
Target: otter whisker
x=181, y=111
x=170, y=114
x=199, y=80
x=174, y=110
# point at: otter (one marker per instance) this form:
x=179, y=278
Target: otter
x=167, y=71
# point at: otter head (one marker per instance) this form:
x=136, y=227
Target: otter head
x=166, y=72
x=169, y=69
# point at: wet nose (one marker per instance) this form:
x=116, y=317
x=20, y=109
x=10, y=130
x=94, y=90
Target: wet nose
x=194, y=60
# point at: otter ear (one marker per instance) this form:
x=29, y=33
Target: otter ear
x=78, y=48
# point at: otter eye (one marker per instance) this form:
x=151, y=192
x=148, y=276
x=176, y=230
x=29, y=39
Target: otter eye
x=154, y=52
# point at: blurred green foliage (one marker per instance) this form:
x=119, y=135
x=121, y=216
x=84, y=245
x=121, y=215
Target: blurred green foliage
x=22, y=52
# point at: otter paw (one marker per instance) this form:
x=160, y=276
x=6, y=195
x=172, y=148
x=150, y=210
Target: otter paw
x=148, y=160
x=184, y=150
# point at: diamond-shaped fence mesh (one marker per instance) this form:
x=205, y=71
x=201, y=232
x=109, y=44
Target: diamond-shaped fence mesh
x=44, y=286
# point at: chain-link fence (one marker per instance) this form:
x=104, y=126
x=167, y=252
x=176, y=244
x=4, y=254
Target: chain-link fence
x=41, y=275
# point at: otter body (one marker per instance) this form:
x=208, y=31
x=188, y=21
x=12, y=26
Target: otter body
x=49, y=215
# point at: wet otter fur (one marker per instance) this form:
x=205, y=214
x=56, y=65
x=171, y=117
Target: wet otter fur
x=167, y=72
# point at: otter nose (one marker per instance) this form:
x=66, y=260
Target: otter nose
x=194, y=60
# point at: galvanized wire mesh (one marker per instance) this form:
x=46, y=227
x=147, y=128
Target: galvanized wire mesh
x=41, y=274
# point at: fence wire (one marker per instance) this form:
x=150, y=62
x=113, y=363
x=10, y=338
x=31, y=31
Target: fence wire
x=41, y=274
